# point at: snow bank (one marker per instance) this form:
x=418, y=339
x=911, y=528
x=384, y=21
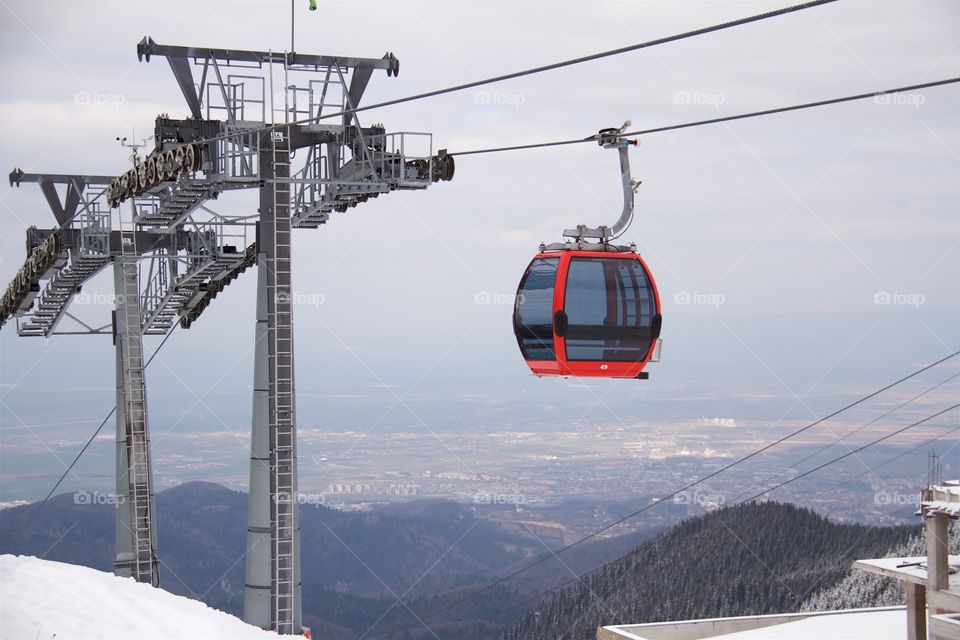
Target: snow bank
x=40, y=600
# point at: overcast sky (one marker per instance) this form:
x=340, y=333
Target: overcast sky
x=792, y=223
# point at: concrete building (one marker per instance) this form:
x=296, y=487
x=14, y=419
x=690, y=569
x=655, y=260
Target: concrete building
x=932, y=582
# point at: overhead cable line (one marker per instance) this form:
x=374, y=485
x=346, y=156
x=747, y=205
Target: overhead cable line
x=556, y=143
x=895, y=458
x=690, y=485
x=730, y=118
x=548, y=67
x=649, y=544
x=851, y=433
x=850, y=453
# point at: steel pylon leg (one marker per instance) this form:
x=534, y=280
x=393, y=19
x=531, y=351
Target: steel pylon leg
x=256, y=595
x=136, y=523
x=273, y=516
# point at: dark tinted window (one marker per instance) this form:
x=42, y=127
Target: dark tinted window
x=533, y=312
x=610, y=307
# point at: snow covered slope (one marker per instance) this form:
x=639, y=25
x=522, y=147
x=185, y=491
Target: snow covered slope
x=40, y=600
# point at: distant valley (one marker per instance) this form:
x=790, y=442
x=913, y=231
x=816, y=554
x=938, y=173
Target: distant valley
x=380, y=573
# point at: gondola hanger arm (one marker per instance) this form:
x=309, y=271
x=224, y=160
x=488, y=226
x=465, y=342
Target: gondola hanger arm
x=611, y=138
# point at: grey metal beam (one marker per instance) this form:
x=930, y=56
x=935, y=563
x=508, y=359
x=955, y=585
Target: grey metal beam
x=149, y=47
x=17, y=176
x=358, y=84
x=312, y=135
x=65, y=210
x=53, y=200
x=73, y=196
x=181, y=71
x=146, y=241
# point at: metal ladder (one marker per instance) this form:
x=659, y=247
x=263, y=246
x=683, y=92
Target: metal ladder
x=140, y=489
x=283, y=507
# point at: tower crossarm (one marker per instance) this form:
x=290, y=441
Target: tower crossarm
x=148, y=47
x=65, y=208
x=18, y=176
x=211, y=59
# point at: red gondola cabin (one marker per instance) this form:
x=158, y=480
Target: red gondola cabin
x=587, y=313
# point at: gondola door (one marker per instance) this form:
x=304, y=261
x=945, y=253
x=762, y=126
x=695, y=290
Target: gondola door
x=607, y=316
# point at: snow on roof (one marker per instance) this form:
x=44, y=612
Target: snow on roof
x=44, y=599
x=943, y=499
x=876, y=625
x=884, y=623
x=952, y=509
x=912, y=569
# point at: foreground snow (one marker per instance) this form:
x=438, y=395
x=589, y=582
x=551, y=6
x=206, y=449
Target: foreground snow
x=40, y=600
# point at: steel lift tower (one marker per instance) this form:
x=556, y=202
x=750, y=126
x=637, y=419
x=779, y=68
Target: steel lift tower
x=181, y=270
x=250, y=126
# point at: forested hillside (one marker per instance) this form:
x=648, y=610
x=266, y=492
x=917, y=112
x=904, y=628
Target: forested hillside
x=745, y=560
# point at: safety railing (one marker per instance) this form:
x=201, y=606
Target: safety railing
x=403, y=157
x=94, y=225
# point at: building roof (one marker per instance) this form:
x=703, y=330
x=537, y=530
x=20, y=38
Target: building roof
x=911, y=569
x=876, y=625
x=886, y=623
x=943, y=499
